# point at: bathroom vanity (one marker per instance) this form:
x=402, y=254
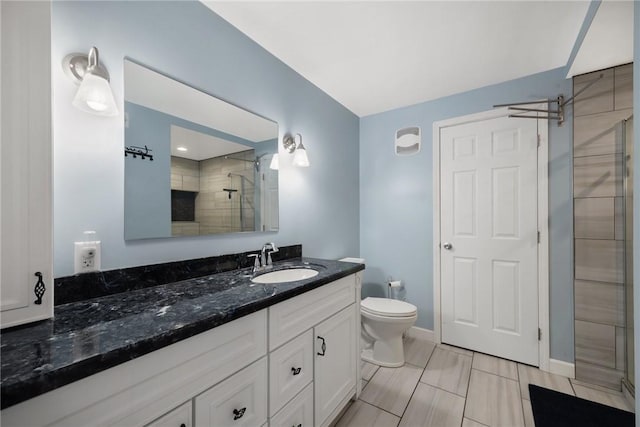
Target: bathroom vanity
x=217, y=350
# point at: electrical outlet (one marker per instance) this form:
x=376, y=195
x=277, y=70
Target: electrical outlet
x=86, y=257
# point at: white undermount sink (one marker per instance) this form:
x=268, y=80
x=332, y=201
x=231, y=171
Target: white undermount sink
x=283, y=276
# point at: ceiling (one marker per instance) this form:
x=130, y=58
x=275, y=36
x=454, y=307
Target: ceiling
x=609, y=41
x=200, y=146
x=374, y=56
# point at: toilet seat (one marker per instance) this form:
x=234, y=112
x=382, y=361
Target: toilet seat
x=387, y=307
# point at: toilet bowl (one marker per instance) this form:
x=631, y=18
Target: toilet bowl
x=384, y=321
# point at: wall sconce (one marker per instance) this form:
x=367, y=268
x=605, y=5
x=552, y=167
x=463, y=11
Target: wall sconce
x=300, y=156
x=275, y=162
x=94, y=94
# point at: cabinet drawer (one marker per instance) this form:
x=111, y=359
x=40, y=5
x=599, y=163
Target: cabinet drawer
x=290, y=369
x=298, y=412
x=179, y=417
x=240, y=400
x=294, y=316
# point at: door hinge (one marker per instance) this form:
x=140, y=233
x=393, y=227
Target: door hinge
x=539, y=334
x=539, y=140
x=538, y=237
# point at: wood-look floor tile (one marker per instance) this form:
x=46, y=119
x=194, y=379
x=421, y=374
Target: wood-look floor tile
x=430, y=406
x=449, y=371
x=612, y=398
x=391, y=388
x=601, y=375
x=456, y=349
x=466, y=422
x=620, y=348
x=595, y=343
x=530, y=375
x=368, y=369
x=599, y=260
x=495, y=365
x=361, y=414
x=599, y=302
x=623, y=84
x=575, y=382
x=594, y=218
x=528, y=413
x=598, y=97
x=597, y=176
x=417, y=350
x=364, y=383
x=596, y=134
x=619, y=218
x=493, y=400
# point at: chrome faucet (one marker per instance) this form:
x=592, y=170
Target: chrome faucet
x=262, y=261
x=268, y=248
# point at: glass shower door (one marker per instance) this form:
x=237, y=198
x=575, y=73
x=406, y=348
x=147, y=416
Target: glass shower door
x=628, y=237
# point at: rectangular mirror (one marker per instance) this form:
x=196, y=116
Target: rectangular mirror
x=194, y=164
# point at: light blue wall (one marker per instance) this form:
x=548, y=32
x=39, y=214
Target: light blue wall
x=318, y=205
x=396, y=199
x=636, y=199
x=147, y=191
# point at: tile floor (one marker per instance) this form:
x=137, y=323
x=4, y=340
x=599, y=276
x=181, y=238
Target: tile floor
x=445, y=386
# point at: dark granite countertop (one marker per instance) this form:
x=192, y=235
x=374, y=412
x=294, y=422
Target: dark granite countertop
x=87, y=337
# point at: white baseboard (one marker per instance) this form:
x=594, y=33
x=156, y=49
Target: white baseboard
x=417, y=332
x=560, y=367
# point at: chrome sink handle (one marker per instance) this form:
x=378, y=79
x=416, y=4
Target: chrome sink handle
x=256, y=262
x=267, y=249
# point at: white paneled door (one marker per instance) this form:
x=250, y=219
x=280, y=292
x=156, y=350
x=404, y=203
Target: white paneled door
x=489, y=237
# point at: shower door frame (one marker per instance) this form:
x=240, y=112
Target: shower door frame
x=628, y=381
x=545, y=363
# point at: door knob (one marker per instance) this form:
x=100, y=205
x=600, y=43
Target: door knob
x=448, y=246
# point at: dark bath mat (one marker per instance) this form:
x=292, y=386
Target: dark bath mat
x=555, y=409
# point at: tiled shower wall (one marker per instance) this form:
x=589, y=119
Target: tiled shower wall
x=216, y=212
x=599, y=224
x=185, y=176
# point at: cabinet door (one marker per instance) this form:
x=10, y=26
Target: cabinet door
x=179, y=417
x=238, y=401
x=335, y=363
x=25, y=172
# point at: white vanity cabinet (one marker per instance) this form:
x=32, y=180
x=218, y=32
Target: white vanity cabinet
x=329, y=315
x=243, y=373
x=25, y=154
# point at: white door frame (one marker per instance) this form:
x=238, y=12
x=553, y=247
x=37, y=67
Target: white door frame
x=543, y=224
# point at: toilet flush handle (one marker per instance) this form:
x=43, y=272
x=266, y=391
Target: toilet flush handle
x=448, y=246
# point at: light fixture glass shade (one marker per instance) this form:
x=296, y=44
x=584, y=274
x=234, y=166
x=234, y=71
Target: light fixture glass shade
x=300, y=157
x=95, y=96
x=275, y=162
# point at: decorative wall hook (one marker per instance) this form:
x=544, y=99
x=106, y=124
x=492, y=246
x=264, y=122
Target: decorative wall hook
x=143, y=152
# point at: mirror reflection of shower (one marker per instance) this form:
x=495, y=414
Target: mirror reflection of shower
x=245, y=193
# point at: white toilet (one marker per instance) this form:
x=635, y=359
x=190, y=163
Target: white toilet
x=384, y=320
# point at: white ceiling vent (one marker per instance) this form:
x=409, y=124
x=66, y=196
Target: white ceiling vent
x=408, y=141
